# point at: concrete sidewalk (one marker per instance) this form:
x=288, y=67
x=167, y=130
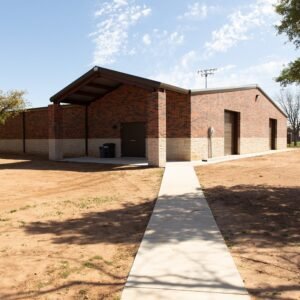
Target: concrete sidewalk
x=183, y=255
x=226, y=158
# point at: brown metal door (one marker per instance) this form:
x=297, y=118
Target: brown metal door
x=272, y=133
x=230, y=133
x=133, y=139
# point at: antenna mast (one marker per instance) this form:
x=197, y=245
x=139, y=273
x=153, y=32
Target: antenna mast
x=205, y=73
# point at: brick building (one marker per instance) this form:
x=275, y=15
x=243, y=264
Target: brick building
x=146, y=118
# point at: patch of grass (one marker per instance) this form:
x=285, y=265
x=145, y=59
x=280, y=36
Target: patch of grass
x=64, y=263
x=65, y=274
x=50, y=271
x=67, y=202
x=4, y=219
x=83, y=295
x=25, y=207
x=85, y=203
x=82, y=292
x=12, y=211
x=65, y=269
x=109, y=263
x=95, y=201
x=41, y=284
x=22, y=223
x=90, y=265
x=97, y=257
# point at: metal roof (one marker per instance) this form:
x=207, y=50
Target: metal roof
x=99, y=81
x=224, y=89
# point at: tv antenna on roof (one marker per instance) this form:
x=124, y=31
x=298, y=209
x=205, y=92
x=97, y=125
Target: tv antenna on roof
x=205, y=73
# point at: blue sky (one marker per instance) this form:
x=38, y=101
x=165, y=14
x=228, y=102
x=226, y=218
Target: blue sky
x=47, y=44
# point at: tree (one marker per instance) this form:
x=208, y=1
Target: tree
x=11, y=104
x=289, y=10
x=290, y=104
x=290, y=74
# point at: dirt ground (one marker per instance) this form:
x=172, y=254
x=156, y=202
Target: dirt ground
x=256, y=203
x=70, y=231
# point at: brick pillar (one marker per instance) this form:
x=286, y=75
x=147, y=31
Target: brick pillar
x=156, y=129
x=55, y=132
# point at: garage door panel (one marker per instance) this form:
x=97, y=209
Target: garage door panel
x=272, y=133
x=230, y=133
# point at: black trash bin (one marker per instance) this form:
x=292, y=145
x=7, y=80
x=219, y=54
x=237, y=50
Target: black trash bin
x=101, y=152
x=108, y=150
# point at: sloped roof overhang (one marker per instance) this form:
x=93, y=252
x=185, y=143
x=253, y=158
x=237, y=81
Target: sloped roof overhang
x=98, y=82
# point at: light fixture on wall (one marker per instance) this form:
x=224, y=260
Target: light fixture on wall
x=256, y=97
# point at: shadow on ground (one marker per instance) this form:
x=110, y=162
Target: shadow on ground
x=29, y=162
x=117, y=226
x=269, y=216
x=262, y=217
x=265, y=215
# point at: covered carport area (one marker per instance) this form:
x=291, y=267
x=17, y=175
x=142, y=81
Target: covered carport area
x=100, y=84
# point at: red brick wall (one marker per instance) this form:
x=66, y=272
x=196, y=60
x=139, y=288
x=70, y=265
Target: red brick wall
x=129, y=104
x=13, y=128
x=208, y=110
x=156, y=115
x=36, y=124
x=178, y=115
x=55, y=121
x=125, y=104
x=73, y=119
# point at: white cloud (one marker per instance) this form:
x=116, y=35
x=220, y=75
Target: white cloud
x=166, y=37
x=196, y=10
x=111, y=36
x=240, y=25
x=147, y=39
x=262, y=74
x=132, y=52
x=176, y=38
x=188, y=58
x=184, y=74
x=162, y=42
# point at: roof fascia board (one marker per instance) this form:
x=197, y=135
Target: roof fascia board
x=271, y=100
x=124, y=78
x=69, y=89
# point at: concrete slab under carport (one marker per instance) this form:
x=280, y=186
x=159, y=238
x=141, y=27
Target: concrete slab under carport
x=134, y=161
x=183, y=254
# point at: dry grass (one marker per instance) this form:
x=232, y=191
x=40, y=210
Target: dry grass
x=256, y=203
x=70, y=231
